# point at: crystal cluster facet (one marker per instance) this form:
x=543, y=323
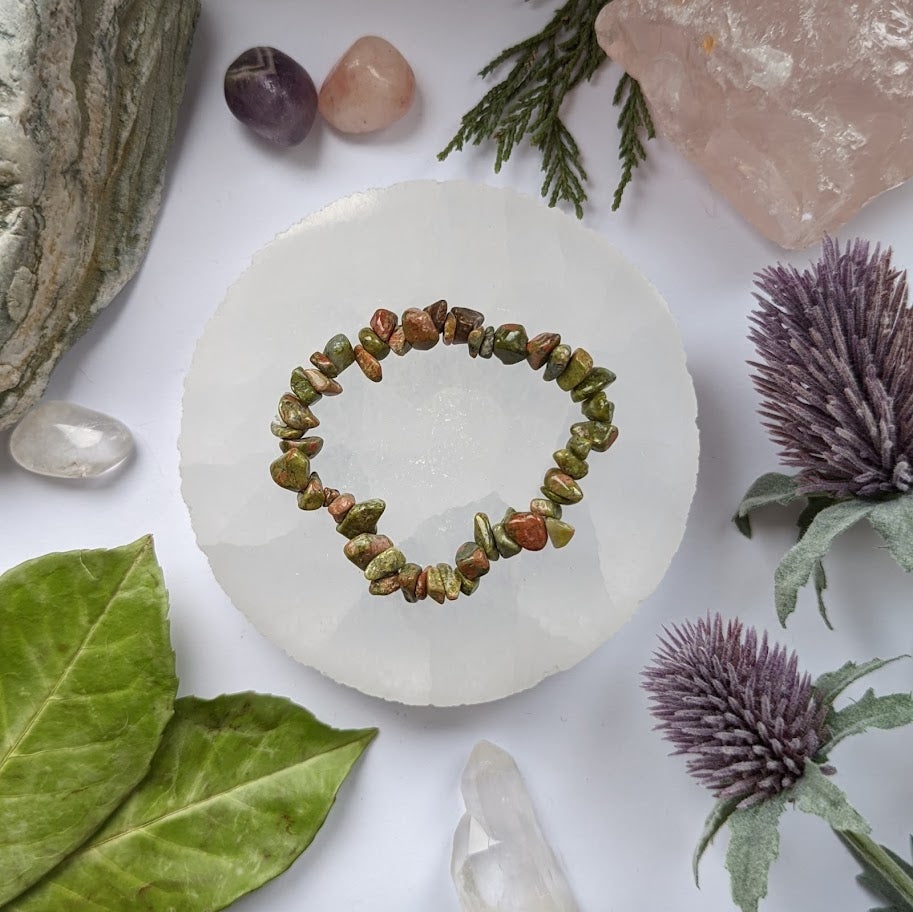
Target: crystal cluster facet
x=501, y=861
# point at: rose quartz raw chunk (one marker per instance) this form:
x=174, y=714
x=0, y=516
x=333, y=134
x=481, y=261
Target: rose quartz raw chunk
x=369, y=88
x=799, y=111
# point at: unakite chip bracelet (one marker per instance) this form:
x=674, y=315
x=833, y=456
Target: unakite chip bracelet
x=384, y=565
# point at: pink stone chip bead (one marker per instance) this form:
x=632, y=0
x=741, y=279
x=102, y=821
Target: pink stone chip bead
x=371, y=87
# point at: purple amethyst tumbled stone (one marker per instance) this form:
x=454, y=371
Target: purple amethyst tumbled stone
x=272, y=94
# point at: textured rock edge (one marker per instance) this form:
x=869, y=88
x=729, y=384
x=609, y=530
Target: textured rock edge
x=151, y=43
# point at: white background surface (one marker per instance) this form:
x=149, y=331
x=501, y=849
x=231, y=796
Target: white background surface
x=622, y=814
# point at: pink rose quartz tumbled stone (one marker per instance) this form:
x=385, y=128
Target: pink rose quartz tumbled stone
x=371, y=87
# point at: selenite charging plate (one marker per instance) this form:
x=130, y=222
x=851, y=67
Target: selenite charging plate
x=442, y=437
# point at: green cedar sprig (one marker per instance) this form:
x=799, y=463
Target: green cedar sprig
x=527, y=104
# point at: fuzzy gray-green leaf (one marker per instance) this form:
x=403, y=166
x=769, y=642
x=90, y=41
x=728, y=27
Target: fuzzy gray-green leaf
x=86, y=687
x=721, y=812
x=893, y=521
x=799, y=562
x=754, y=844
x=891, y=711
x=816, y=794
x=238, y=789
x=831, y=684
x=771, y=488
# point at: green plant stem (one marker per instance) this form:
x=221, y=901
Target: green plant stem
x=877, y=859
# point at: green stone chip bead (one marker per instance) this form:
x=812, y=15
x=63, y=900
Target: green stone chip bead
x=386, y=585
x=510, y=343
x=311, y=498
x=302, y=388
x=471, y=560
x=602, y=435
x=294, y=413
x=545, y=507
x=560, y=487
x=310, y=446
x=474, y=342
x=578, y=367
x=323, y=384
x=507, y=547
x=408, y=578
x=467, y=586
x=599, y=408
x=361, y=518
x=397, y=342
x=451, y=581
x=540, y=347
x=570, y=464
x=291, y=470
x=373, y=344
x=284, y=433
x=598, y=378
x=438, y=313
x=484, y=537
x=559, y=533
x=339, y=350
x=488, y=342
x=557, y=362
x=435, y=585
x=324, y=364
x=386, y=563
x=579, y=446
x=362, y=549
x=369, y=365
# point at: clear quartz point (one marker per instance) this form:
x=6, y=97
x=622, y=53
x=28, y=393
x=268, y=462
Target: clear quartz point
x=501, y=861
x=68, y=441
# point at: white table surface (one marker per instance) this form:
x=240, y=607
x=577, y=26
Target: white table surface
x=622, y=814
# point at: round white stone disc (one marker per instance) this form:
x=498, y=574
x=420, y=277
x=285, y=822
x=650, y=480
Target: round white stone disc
x=442, y=437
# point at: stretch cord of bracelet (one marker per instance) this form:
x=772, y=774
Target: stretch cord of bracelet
x=384, y=565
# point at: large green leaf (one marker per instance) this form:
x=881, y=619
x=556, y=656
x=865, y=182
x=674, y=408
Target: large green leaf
x=722, y=811
x=237, y=790
x=86, y=688
x=893, y=521
x=754, y=844
x=815, y=794
x=831, y=684
x=802, y=559
x=771, y=488
x=869, y=711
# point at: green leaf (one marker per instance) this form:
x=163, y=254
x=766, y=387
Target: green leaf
x=238, y=789
x=869, y=711
x=721, y=812
x=893, y=521
x=753, y=847
x=86, y=688
x=772, y=488
x=819, y=578
x=886, y=875
x=799, y=562
x=831, y=684
x=815, y=794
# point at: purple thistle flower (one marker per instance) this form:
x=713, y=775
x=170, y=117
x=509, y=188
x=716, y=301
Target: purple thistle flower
x=837, y=372
x=741, y=709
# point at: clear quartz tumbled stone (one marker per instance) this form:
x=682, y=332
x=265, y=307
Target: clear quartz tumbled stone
x=69, y=441
x=501, y=861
